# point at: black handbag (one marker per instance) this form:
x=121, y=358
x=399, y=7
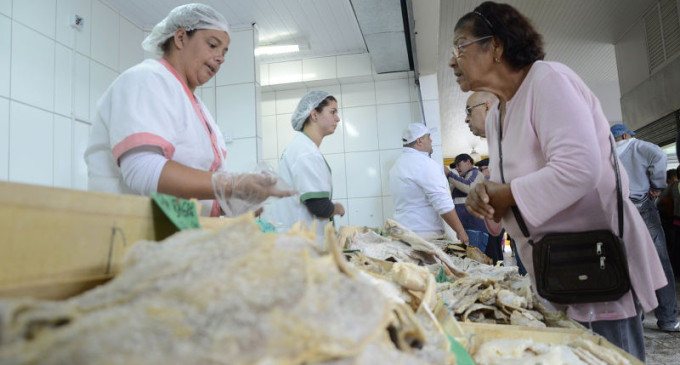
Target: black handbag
x=578, y=267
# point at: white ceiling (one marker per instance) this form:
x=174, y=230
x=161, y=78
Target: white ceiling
x=329, y=27
x=579, y=33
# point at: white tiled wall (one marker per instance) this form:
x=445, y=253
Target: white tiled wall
x=32, y=67
x=6, y=7
x=130, y=51
x=51, y=76
x=5, y=57
x=232, y=99
x=37, y=15
x=4, y=138
x=61, y=157
x=105, y=35
x=373, y=113
x=30, y=144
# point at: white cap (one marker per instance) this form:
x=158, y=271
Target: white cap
x=415, y=131
x=189, y=17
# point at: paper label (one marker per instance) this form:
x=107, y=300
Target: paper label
x=181, y=212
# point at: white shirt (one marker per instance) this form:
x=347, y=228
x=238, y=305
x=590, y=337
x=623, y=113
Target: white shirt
x=304, y=168
x=149, y=105
x=420, y=191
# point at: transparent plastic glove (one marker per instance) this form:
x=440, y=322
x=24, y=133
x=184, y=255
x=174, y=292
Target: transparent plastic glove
x=240, y=193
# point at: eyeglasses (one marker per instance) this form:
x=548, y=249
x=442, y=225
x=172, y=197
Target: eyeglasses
x=456, y=51
x=468, y=109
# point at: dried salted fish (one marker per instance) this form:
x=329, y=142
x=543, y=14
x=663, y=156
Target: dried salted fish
x=527, y=351
x=587, y=356
x=400, y=232
x=381, y=248
x=345, y=234
x=525, y=318
x=470, y=297
x=605, y=354
x=521, y=352
x=476, y=254
x=472, y=282
x=234, y=297
x=478, y=307
x=510, y=299
x=488, y=295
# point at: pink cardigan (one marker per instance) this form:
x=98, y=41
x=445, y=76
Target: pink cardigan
x=557, y=156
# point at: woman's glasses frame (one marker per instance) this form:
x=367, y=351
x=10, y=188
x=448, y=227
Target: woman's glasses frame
x=457, y=50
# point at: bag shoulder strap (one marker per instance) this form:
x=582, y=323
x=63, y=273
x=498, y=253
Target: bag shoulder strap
x=515, y=211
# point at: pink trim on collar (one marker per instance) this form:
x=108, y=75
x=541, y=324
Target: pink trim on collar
x=217, y=160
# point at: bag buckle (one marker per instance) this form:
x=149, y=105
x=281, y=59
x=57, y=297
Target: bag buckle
x=599, y=248
x=602, y=262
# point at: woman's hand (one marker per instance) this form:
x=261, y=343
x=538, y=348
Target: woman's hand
x=256, y=187
x=489, y=200
x=339, y=209
x=477, y=202
x=463, y=237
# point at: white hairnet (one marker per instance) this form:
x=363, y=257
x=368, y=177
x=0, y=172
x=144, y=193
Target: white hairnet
x=308, y=102
x=189, y=17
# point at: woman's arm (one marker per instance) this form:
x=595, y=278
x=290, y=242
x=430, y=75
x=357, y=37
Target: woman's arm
x=185, y=182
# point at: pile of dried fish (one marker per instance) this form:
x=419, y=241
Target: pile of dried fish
x=472, y=291
x=233, y=297
x=519, y=351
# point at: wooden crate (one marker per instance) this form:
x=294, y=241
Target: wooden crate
x=58, y=242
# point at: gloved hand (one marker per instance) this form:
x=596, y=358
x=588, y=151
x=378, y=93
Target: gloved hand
x=240, y=193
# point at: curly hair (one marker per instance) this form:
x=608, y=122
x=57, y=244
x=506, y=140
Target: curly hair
x=522, y=43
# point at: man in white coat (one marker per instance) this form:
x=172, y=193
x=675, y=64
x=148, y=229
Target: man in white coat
x=419, y=188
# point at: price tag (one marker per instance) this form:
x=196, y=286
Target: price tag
x=181, y=212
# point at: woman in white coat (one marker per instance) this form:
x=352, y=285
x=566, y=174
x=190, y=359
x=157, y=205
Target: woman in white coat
x=305, y=169
x=151, y=132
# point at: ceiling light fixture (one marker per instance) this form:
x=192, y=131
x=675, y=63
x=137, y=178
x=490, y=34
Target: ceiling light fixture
x=276, y=49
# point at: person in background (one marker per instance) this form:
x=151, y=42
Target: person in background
x=496, y=244
x=477, y=109
x=460, y=184
x=304, y=168
x=646, y=166
x=557, y=166
x=151, y=132
x=669, y=212
x=483, y=167
x=419, y=189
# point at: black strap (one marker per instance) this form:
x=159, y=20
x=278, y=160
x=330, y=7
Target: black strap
x=518, y=216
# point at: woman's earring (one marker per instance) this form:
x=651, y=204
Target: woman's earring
x=497, y=60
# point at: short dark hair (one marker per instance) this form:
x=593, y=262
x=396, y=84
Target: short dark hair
x=319, y=108
x=522, y=44
x=165, y=46
x=460, y=158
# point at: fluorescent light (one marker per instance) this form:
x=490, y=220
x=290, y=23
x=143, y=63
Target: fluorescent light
x=277, y=49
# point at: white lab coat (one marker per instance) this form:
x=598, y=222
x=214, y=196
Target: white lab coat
x=149, y=105
x=303, y=167
x=420, y=192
